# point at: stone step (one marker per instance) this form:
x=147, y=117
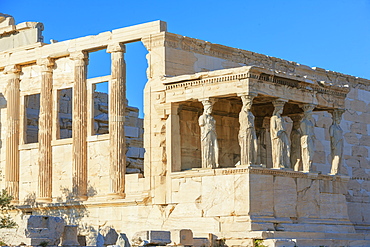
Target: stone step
x=313, y=235
x=35, y=241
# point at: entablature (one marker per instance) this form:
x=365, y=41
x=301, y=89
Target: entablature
x=266, y=83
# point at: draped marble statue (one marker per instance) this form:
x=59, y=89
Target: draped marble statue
x=307, y=137
x=336, y=142
x=247, y=133
x=279, y=138
x=209, y=145
x=295, y=140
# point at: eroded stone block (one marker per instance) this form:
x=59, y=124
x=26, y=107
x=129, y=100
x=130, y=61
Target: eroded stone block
x=151, y=238
x=182, y=237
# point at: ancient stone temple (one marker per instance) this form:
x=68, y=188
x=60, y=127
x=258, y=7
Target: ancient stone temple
x=235, y=146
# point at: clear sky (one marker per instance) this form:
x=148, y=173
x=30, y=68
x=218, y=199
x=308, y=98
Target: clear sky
x=331, y=34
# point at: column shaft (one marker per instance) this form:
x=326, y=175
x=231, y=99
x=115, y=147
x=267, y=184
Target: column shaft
x=79, y=123
x=12, y=138
x=45, y=132
x=117, y=112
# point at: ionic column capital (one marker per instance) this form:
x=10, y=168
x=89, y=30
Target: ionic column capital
x=13, y=69
x=46, y=64
x=116, y=47
x=79, y=57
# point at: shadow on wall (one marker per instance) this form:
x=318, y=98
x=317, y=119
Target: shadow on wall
x=66, y=206
x=3, y=103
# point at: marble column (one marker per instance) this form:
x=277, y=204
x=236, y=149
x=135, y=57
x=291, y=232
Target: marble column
x=117, y=110
x=247, y=133
x=12, y=136
x=307, y=137
x=295, y=140
x=336, y=143
x=280, y=143
x=208, y=142
x=45, y=131
x=79, y=123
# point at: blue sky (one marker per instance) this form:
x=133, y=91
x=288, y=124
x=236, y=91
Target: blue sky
x=331, y=34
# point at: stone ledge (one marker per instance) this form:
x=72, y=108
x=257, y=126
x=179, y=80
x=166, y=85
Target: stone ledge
x=199, y=172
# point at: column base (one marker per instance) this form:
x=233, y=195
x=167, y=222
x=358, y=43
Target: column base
x=81, y=198
x=115, y=196
x=44, y=199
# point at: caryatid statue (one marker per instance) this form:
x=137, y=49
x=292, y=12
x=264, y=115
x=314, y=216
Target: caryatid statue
x=295, y=141
x=279, y=138
x=209, y=145
x=247, y=133
x=307, y=137
x=336, y=142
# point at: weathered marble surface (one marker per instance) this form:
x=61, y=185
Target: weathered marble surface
x=173, y=193
x=208, y=135
x=247, y=133
x=280, y=143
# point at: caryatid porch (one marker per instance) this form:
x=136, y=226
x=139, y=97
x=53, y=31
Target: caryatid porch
x=252, y=105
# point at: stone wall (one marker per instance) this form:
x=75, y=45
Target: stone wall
x=186, y=56
x=133, y=124
x=356, y=127
x=230, y=202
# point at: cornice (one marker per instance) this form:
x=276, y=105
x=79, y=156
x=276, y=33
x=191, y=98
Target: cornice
x=249, y=58
x=250, y=72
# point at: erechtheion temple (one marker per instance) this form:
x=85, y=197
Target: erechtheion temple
x=238, y=147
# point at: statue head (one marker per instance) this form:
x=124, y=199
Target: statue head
x=278, y=110
x=337, y=116
x=278, y=106
x=247, y=102
x=207, y=107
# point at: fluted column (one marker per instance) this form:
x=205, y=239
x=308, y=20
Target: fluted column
x=12, y=137
x=45, y=131
x=117, y=109
x=79, y=123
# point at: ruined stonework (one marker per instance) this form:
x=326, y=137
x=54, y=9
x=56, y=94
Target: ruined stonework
x=133, y=125
x=303, y=180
